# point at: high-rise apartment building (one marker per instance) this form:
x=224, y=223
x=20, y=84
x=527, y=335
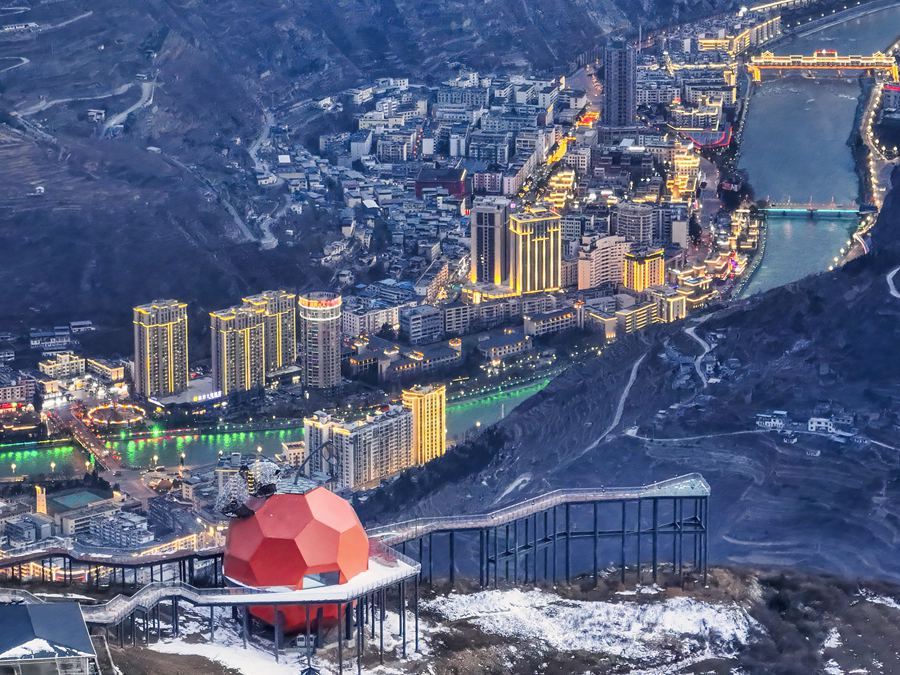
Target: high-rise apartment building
x=635, y=222
x=643, y=268
x=320, y=339
x=535, y=251
x=601, y=260
x=238, y=349
x=367, y=450
x=160, y=348
x=619, y=85
x=280, y=311
x=428, y=405
x=490, y=241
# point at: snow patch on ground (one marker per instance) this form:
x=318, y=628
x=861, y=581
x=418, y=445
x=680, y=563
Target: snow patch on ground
x=638, y=631
x=228, y=650
x=869, y=596
x=833, y=639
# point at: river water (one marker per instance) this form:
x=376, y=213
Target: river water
x=795, y=147
x=33, y=459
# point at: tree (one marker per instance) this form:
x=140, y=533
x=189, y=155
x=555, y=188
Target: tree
x=694, y=229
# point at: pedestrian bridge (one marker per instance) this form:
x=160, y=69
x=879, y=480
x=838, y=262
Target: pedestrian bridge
x=824, y=59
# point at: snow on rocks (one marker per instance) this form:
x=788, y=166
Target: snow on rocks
x=637, y=631
x=869, y=596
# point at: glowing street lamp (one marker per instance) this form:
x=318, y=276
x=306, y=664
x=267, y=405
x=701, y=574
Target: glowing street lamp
x=13, y=467
x=52, y=467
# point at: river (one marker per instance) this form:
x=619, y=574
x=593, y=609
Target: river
x=795, y=147
x=33, y=459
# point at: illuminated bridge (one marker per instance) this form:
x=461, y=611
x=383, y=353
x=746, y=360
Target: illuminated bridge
x=824, y=59
x=811, y=210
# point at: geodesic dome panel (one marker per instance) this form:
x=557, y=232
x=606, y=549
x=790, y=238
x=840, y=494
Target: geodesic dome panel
x=294, y=541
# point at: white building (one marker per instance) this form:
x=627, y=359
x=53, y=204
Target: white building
x=368, y=450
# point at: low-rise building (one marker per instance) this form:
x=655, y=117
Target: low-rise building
x=510, y=342
x=62, y=365
x=122, y=530
x=546, y=323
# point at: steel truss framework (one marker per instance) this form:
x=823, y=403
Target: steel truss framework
x=557, y=536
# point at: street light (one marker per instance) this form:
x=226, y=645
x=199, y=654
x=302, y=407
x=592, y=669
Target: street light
x=52, y=467
x=13, y=467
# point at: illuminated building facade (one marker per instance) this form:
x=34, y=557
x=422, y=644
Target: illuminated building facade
x=320, y=339
x=280, y=318
x=619, y=85
x=160, y=348
x=428, y=405
x=238, y=349
x=644, y=268
x=670, y=304
x=368, y=450
x=490, y=258
x=636, y=318
x=535, y=251
x=634, y=222
x=601, y=260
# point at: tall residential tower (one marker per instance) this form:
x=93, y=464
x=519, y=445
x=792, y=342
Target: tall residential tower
x=280, y=312
x=320, y=339
x=535, y=251
x=160, y=348
x=238, y=349
x=619, y=85
x=490, y=241
x=429, y=410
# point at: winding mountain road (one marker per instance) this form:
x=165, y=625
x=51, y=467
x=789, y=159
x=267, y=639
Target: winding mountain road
x=22, y=61
x=704, y=345
x=620, y=408
x=889, y=277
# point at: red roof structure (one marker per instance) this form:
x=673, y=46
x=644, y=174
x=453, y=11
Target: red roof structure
x=297, y=541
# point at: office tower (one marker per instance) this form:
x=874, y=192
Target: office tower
x=535, y=251
x=619, y=85
x=160, y=348
x=429, y=412
x=280, y=311
x=643, y=268
x=367, y=450
x=490, y=259
x=601, y=260
x=320, y=339
x=238, y=349
x=635, y=222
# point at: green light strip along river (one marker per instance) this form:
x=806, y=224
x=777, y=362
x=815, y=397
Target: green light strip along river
x=795, y=146
x=33, y=459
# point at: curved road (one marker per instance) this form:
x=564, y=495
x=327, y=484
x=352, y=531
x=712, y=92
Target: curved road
x=619, y=409
x=704, y=345
x=22, y=62
x=889, y=277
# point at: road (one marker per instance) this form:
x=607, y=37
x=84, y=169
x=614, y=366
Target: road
x=43, y=105
x=889, y=277
x=146, y=99
x=617, y=418
x=633, y=433
x=22, y=61
x=704, y=345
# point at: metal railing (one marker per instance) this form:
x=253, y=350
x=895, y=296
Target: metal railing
x=689, y=485
x=394, y=567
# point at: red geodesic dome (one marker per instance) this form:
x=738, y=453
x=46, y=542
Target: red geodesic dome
x=290, y=537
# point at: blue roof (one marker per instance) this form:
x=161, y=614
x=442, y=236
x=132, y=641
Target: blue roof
x=43, y=631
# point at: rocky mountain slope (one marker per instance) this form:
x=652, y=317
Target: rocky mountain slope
x=816, y=504
x=191, y=78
